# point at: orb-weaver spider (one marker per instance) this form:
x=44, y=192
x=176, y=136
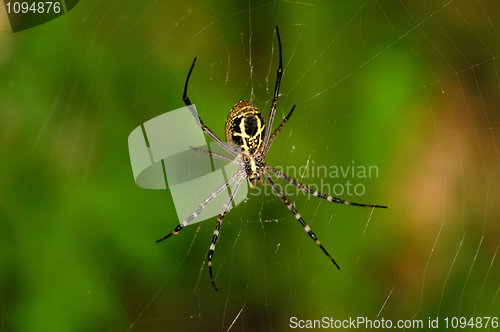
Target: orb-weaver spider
x=249, y=144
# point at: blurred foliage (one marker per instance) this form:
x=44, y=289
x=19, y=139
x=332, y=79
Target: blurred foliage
x=410, y=87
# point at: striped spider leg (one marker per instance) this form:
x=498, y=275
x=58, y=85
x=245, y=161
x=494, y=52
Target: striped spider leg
x=297, y=215
x=272, y=112
x=239, y=179
x=275, y=133
x=215, y=193
x=222, y=214
x=199, y=122
x=308, y=190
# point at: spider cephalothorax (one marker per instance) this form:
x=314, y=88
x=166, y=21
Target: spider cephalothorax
x=252, y=168
x=248, y=142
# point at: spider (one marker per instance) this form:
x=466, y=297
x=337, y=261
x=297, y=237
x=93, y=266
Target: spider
x=248, y=141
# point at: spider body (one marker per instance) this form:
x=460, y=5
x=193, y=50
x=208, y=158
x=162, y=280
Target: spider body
x=245, y=128
x=248, y=142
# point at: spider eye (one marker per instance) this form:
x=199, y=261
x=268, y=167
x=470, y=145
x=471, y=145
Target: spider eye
x=246, y=159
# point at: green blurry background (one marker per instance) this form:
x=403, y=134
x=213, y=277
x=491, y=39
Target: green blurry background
x=411, y=87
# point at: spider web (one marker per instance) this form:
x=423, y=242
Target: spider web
x=409, y=87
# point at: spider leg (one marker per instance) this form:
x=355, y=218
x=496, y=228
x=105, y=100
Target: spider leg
x=276, y=93
x=313, y=192
x=275, y=133
x=202, y=205
x=200, y=123
x=216, y=155
x=290, y=206
x=222, y=214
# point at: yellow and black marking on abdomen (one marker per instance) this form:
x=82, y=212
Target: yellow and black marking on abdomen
x=245, y=126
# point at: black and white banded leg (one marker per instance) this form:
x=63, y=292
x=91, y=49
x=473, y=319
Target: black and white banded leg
x=275, y=133
x=290, y=206
x=314, y=192
x=200, y=123
x=202, y=205
x=222, y=214
x=272, y=112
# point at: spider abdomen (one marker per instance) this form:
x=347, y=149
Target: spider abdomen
x=245, y=126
